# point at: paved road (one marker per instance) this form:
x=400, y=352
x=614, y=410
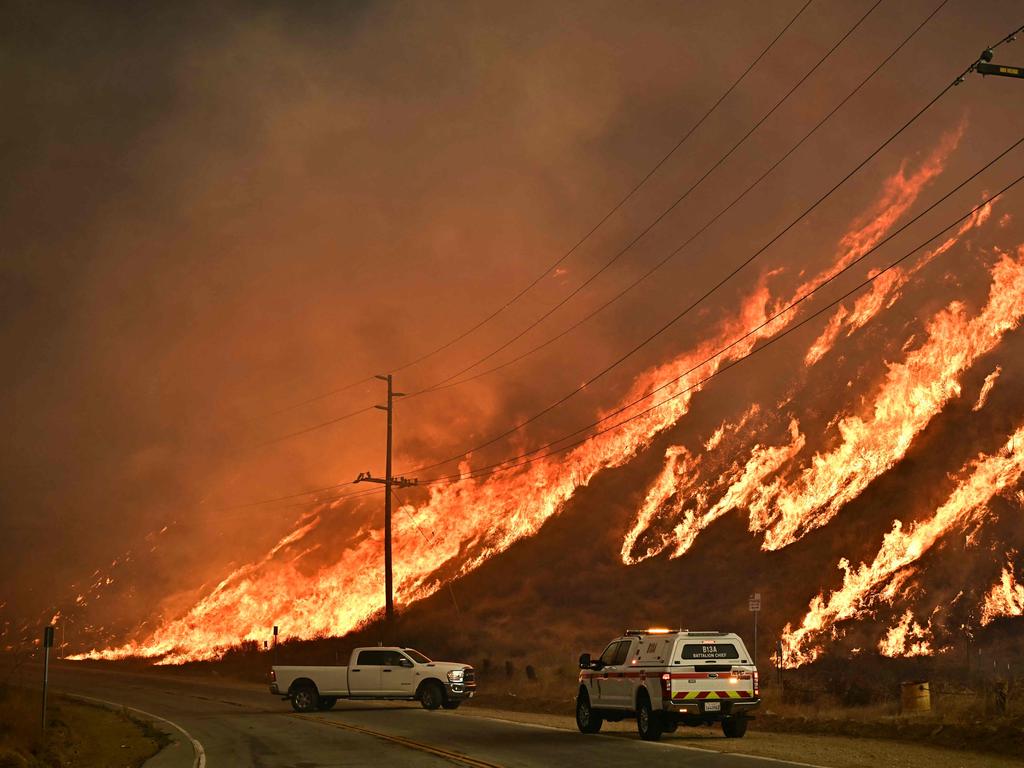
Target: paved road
x=237, y=726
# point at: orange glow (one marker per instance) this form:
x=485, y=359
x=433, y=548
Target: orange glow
x=1006, y=598
x=907, y=638
x=885, y=291
x=986, y=389
x=480, y=517
x=881, y=581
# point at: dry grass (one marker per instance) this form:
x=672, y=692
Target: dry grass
x=77, y=734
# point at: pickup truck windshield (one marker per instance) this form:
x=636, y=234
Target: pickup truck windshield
x=710, y=651
x=416, y=656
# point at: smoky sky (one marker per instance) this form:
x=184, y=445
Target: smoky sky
x=210, y=214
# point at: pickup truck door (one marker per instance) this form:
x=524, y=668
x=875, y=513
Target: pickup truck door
x=397, y=675
x=364, y=678
x=620, y=684
x=602, y=688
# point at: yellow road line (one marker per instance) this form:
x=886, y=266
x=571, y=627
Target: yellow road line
x=438, y=751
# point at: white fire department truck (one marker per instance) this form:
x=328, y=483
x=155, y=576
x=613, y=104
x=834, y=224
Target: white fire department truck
x=666, y=678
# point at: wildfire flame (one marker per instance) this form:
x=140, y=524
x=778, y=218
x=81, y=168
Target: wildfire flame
x=986, y=389
x=882, y=579
x=480, y=517
x=1006, y=598
x=907, y=638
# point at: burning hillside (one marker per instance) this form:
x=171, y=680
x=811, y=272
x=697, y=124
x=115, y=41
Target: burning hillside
x=845, y=407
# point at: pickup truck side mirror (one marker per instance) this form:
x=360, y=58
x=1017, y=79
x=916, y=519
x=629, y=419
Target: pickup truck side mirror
x=584, y=661
x=405, y=663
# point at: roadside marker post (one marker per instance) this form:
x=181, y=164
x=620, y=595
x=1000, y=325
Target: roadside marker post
x=47, y=645
x=754, y=603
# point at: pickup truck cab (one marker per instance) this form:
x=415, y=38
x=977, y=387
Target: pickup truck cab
x=666, y=678
x=388, y=673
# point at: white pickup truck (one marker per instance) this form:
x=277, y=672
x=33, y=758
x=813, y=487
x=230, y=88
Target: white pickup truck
x=376, y=673
x=666, y=678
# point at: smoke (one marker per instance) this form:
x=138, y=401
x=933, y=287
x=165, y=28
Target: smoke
x=214, y=213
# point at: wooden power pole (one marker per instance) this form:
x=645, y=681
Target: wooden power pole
x=388, y=481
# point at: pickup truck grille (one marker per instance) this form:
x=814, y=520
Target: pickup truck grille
x=469, y=678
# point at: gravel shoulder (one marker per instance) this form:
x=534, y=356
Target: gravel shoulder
x=813, y=749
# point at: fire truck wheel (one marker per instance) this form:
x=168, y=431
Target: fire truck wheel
x=587, y=720
x=734, y=727
x=648, y=722
x=305, y=698
x=326, y=702
x=431, y=697
x=669, y=726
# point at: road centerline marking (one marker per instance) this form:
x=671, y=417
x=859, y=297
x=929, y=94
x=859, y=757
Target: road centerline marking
x=456, y=757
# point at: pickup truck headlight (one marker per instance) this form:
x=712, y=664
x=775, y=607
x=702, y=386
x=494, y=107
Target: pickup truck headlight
x=456, y=675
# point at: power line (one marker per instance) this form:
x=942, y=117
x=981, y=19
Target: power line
x=1009, y=38
x=695, y=235
x=528, y=458
x=554, y=265
x=636, y=239
x=707, y=294
x=448, y=382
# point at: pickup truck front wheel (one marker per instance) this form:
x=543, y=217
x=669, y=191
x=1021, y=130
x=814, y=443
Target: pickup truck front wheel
x=431, y=696
x=587, y=720
x=326, y=703
x=451, y=704
x=305, y=699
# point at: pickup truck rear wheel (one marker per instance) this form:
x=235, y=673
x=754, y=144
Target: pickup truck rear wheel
x=734, y=727
x=587, y=720
x=648, y=722
x=431, y=696
x=305, y=698
x=326, y=702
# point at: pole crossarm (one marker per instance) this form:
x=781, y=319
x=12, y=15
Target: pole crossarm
x=401, y=482
x=985, y=68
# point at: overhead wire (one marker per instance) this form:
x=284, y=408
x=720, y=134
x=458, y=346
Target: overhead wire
x=448, y=380
x=703, y=297
x=959, y=79
x=528, y=458
x=579, y=243
x=665, y=260
x=658, y=219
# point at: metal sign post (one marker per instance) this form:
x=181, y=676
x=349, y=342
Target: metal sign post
x=275, y=645
x=754, y=603
x=47, y=645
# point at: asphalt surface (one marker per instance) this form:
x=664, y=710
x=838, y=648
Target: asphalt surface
x=217, y=724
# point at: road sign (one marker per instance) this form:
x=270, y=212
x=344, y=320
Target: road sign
x=47, y=645
x=754, y=602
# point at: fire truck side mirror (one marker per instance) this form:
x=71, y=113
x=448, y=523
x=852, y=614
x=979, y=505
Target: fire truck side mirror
x=585, y=661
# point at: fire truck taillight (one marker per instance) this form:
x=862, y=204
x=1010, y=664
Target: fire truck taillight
x=757, y=685
x=666, y=686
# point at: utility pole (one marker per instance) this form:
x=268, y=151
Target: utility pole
x=388, y=481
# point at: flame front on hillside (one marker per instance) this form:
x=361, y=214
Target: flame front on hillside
x=482, y=516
